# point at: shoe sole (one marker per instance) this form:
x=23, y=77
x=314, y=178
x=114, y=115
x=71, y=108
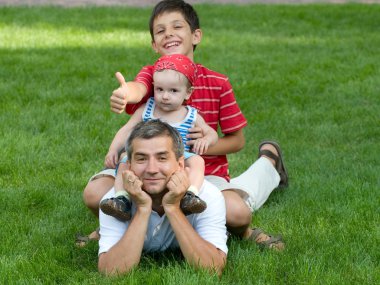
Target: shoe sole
x=195, y=208
x=111, y=211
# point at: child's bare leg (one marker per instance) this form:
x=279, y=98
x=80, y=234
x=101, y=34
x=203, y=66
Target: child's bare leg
x=120, y=205
x=191, y=203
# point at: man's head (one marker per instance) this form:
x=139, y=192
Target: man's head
x=174, y=28
x=155, y=151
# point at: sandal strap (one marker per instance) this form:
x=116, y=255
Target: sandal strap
x=279, y=163
x=80, y=238
x=270, y=154
x=271, y=240
x=255, y=233
x=275, y=242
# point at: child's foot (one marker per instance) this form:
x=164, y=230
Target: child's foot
x=117, y=207
x=192, y=204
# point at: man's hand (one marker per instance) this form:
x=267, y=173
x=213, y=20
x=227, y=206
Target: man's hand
x=119, y=96
x=132, y=184
x=177, y=186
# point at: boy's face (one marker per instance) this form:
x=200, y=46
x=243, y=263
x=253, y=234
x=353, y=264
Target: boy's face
x=172, y=35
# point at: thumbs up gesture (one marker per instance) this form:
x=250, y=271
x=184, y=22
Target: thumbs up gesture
x=119, y=96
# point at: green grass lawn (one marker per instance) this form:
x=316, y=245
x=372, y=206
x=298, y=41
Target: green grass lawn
x=307, y=76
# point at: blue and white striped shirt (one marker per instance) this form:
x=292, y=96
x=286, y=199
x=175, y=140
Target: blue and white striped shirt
x=182, y=126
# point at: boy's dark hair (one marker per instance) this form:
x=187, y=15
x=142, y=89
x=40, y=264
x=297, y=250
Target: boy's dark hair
x=180, y=6
x=155, y=128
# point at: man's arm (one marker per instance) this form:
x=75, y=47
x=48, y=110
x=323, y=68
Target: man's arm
x=126, y=253
x=128, y=92
x=197, y=251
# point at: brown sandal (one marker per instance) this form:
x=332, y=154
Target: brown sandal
x=280, y=166
x=274, y=242
x=82, y=241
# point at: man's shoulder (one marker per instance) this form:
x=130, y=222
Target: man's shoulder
x=210, y=192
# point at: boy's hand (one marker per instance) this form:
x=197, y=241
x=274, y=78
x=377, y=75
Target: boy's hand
x=194, y=133
x=200, y=146
x=177, y=185
x=119, y=95
x=132, y=184
x=111, y=159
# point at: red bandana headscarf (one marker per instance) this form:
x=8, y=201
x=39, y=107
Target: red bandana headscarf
x=180, y=63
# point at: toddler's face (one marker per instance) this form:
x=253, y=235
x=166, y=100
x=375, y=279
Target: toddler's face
x=170, y=90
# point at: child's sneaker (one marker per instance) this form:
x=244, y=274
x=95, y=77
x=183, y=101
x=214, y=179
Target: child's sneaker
x=192, y=204
x=117, y=207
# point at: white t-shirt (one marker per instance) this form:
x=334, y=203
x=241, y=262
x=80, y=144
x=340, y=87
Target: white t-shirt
x=210, y=225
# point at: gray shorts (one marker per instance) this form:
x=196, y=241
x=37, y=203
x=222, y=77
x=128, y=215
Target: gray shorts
x=103, y=173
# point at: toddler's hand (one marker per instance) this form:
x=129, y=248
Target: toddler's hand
x=111, y=159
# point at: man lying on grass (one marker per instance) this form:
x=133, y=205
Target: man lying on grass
x=156, y=181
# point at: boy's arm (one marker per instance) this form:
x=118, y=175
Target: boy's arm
x=121, y=137
x=128, y=92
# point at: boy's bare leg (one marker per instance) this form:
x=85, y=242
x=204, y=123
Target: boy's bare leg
x=238, y=215
x=238, y=219
x=94, y=192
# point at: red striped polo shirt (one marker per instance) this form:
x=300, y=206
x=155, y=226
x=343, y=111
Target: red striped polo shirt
x=215, y=100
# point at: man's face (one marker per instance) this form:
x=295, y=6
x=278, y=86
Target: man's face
x=172, y=35
x=154, y=162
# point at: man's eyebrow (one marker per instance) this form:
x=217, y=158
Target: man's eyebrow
x=157, y=153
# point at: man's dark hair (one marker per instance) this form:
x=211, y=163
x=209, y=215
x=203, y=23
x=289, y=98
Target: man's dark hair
x=180, y=6
x=155, y=128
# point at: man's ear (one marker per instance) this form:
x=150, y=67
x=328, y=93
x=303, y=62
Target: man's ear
x=197, y=37
x=181, y=162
